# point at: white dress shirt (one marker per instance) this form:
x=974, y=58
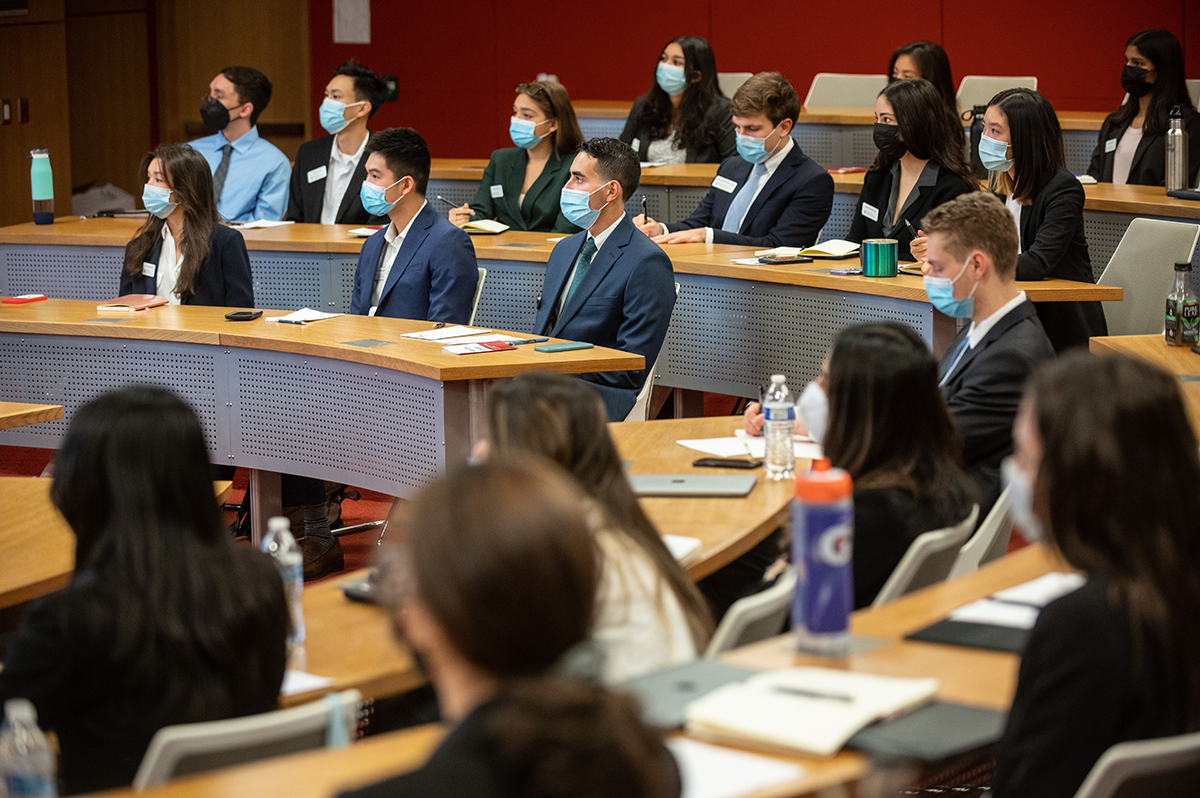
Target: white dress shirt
x=600, y=239
x=1014, y=208
x=341, y=169
x=167, y=273
x=393, y=243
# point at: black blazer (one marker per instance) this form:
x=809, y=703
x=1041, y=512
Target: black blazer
x=984, y=392
x=877, y=192
x=540, y=211
x=1053, y=245
x=718, y=121
x=790, y=210
x=224, y=278
x=1077, y=697
x=1149, y=167
x=306, y=198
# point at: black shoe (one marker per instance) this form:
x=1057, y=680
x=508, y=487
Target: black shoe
x=321, y=557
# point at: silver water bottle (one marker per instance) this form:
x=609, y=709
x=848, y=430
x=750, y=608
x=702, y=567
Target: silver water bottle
x=1177, y=152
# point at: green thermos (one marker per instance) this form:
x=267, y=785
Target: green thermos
x=42, y=179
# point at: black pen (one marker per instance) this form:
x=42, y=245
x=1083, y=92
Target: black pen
x=448, y=202
x=908, y=224
x=645, y=216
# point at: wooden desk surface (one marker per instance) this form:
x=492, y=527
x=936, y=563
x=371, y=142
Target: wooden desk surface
x=22, y=414
x=207, y=325
x=1179, y=360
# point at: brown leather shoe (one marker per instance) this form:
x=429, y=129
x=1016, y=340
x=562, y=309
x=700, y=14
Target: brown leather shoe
x=321, y=557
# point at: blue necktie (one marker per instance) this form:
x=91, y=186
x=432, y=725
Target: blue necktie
x=741, y=203
x=581, y=267
x=958, y=355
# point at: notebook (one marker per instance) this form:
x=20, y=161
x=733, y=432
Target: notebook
x=132, y=303
x=487, y=227
x=732, y=485
x=833, y=249
x=665, y=694
x=933, y=733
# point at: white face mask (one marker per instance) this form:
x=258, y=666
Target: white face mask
x=1020, y=492
x=813, y=409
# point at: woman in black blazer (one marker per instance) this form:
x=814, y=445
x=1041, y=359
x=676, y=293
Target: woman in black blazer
x=522, y=184
x=920, y=165
x=1022, y=147
x=1132, y=145
x=207, y=262
x=684, y=118
x=1105, y=466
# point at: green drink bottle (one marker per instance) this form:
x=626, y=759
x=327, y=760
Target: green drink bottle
x=42, y=179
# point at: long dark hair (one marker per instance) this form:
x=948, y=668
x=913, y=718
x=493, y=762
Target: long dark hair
x=552, y=98
x=1117, y=494
x=888, y=423
x=934, y=64
x=188, y=175
x=1161, y=48
x=158, y=585
x=692, y=130
x=1037, y=143
x=929, y=130
x=563, y=418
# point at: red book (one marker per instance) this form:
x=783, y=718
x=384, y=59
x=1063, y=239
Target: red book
x=23, y=299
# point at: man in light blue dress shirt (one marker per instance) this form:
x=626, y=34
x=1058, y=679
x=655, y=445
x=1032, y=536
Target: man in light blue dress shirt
x=250, y=175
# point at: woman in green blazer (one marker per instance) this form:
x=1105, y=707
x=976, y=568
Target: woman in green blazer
x=521, y=184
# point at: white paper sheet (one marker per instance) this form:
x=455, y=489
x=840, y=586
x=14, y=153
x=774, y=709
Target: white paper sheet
x=651, y=164
x=717, y=447
x=997, y=613
x=680, y=546
x=709, y=771
x=804, y=447
x=1041, y=591
x=258, y=224
x=444, y=333
x=305, y=315
x=477, y=339
x=296, y=682
x=746, y=261
x=363, y=232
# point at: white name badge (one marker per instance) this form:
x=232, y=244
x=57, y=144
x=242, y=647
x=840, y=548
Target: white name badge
x=636, y=146
x=317, y=174
x=724, y=183
x=1110, y=145
x=497, y=192
x=871, y=212
x=149, y=269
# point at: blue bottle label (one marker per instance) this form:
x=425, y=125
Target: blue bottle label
x=825, y=592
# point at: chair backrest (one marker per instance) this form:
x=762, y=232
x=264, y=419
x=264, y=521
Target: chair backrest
x=1166, y=766
x=478, y=293
x=732, y=81
x=836, y=90
x=928, y=560
x=755, y=617
x=976, y=90
x=990, y=541
x=1193, y=89
x=1144, y=266
x=641, y=406
x=195, y=747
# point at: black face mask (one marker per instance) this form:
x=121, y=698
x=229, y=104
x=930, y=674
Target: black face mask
x=214, y=115
x=887, y=139
x=1133, y=80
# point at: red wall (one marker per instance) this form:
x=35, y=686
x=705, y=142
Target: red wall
x=458, y=62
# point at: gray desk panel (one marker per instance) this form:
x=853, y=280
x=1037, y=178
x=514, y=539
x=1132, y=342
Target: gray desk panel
x=62, y=272
x=1079, y=146
x=509, y=298
x=457, y=191
x=840, y=217
x=594, y=127
x=289, y=280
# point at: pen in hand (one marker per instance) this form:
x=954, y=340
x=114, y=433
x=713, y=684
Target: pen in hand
x=448, y=202
x=911, y=230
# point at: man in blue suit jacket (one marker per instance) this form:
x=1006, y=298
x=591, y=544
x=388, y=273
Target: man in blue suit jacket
x=420, y=266
x=769, y=195
x=608, y=285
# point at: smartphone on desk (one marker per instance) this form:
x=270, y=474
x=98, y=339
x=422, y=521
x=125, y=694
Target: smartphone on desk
x=243, y=315
x=726, y=462
x=766, y=259
x=566, y=346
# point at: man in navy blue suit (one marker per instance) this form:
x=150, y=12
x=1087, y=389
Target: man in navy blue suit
x=768, y=195
x=608, y=285
x=420, y=266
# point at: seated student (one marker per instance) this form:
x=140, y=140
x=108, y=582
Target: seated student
x=684, y=118
x=250, y=175
x=928, y=61
x=491, y=587
x=885, y=422
x=649, y=614
x=1022, y=147
x=1106, y=468
x=521, y=184
x=183, y=252
x=969, y=271
x=607, y=285
x=329, y=170
x=420, y=266
x=920, y=165
x=164, y=621
x=1132, y=145
x=772, y=194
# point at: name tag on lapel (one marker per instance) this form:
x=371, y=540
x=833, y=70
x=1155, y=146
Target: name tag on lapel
x=871, y=212
x=149, y=269
x=636, y=146
x=317, y=174
x=724, y=183
x=1110, y=145
x=497, y=192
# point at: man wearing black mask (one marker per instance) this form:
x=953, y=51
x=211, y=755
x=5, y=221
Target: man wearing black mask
x=250, y=175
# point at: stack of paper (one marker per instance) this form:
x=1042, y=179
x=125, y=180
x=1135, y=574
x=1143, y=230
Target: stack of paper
x=443, y=334
x=755, y=446
x=304, y=316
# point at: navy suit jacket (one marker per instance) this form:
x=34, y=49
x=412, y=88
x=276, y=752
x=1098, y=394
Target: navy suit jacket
x=623, y=302
x=223, y=280
x=790, y=210
x=433, y=277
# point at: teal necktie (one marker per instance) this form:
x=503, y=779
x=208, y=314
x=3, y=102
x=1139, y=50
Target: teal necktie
x=581, y=267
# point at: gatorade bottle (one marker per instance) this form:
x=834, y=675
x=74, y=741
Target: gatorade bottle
x=822, y=544
x=42, y=179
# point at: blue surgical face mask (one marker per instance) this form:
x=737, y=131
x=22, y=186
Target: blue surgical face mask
x=332, y=114
x=670, y=78
x=157, y=200
x=1020, y=493
x=941, y=294
x=993, y=154
x=373, y=201
x=754, y=149
x=575, y=206
x=523, y=132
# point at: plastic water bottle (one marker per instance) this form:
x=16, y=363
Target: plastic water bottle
x=41, y=178
x=26, y=761
x=822, y=548
x=1177, y=153
x=1183, y=310
x=778, y=428
x=289, y=560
